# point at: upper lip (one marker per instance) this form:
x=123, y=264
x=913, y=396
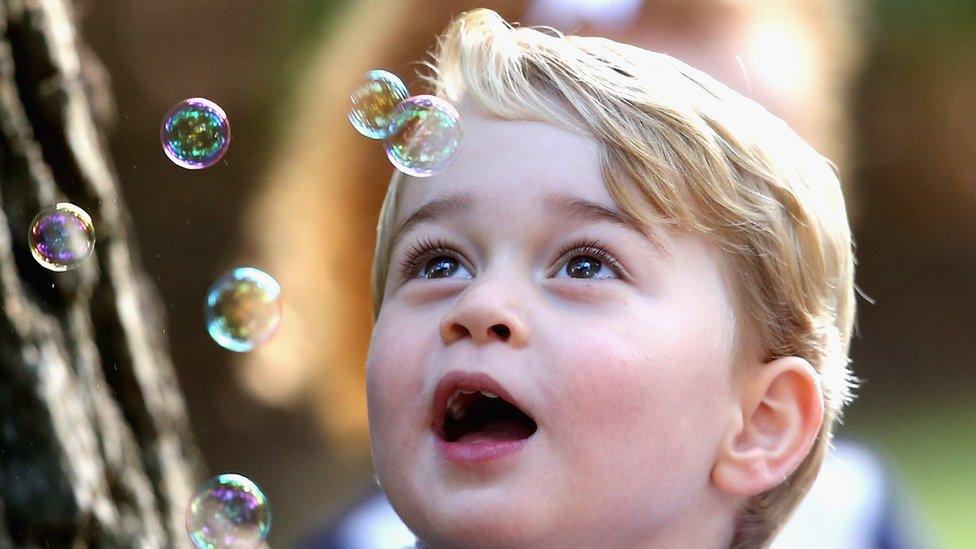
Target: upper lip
x=465, y=381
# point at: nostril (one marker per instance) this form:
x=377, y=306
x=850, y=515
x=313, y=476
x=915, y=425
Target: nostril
x=459, y=332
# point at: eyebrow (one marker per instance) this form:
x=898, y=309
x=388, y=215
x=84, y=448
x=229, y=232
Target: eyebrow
x=558, y=203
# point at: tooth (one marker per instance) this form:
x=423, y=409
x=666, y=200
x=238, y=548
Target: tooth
x=489, y=394
x=457, y=412
x=469, y=392
x=452, y=400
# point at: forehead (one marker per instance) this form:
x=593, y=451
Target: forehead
x=499, y=160
x=513, y=172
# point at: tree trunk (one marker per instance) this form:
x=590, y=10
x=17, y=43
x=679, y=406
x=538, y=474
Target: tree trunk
x=95, y=445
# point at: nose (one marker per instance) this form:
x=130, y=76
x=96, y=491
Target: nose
x=485, y=313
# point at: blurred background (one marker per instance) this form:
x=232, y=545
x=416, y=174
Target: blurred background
x=884, y=88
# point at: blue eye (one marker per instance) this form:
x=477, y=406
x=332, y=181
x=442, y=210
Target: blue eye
x=425, y=249
x=440, y=267
x=437, y=259
x=583, y=266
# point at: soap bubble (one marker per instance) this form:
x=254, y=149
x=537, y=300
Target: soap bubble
x=61, y=237
x=243, y=309
x=425, y=134
x=228, y=511
x=195, y=133
x=374, y=101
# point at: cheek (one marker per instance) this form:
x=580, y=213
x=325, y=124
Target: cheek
x=394, y=382
x=643, y=394
x=622, y=397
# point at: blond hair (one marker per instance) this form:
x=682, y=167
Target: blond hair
x=706, y=160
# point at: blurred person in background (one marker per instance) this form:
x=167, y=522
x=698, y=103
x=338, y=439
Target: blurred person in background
x=795, y=57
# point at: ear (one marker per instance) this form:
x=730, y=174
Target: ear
x=775, y=423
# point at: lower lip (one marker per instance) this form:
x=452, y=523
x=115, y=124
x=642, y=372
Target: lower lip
x=478, y=452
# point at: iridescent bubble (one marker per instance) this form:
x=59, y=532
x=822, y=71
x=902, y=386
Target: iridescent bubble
x=425, y=134
x=228, y=511
x=195, y=133
x=243, y=309
x=61, y=237
x=373, y=103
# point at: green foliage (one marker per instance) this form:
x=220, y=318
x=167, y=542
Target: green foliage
x=930, y=445
x=312, y=20
x=931, y=17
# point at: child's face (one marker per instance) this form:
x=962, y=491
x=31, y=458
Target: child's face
x=627, y=376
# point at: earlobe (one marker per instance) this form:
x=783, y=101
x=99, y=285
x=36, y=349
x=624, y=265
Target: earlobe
x=774, y=425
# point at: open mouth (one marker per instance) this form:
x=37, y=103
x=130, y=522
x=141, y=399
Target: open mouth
x=479, y=416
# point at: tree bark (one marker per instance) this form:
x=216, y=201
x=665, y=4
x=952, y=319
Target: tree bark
x=95, y=445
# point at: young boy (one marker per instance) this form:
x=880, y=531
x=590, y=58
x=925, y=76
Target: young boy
x=619, y=319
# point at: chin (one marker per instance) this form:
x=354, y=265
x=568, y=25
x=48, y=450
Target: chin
x=490, y=524
x=457, y=539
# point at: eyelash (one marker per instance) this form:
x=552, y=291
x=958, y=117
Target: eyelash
x=428, y=248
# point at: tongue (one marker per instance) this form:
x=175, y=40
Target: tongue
x=497, y=430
